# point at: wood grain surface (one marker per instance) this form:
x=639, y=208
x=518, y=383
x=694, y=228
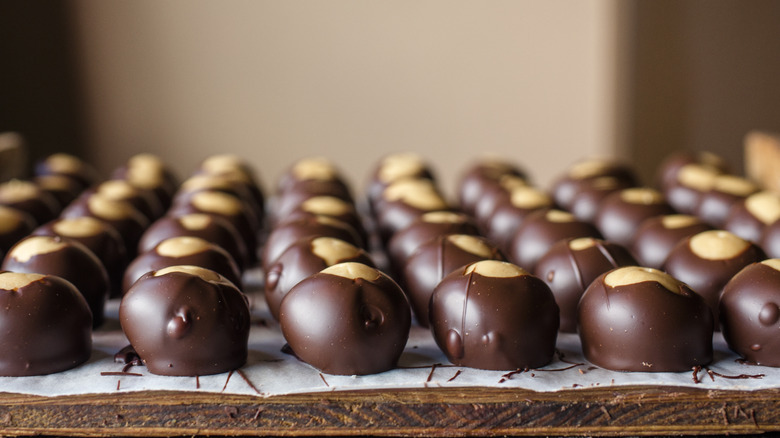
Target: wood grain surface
x=428, y=412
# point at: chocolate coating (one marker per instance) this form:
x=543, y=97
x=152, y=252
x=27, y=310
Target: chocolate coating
x=67, y=259
x=62, y=188
x=121, y=190
x=348, y=319
x=620, y=213
x=148, y=172
x=770, y=240
x=304, y=258
x=330, y=206
x=238, y=171
x=183, y=250
x=226, y=184
x=646, y=322
x=571, y=265
x=402, y=202
x=749, y=217
x=46, y=325
x=299, y=191
x=591, y=192
x=540, y=230
x=708, y=260
x=692, y=181
x=657, y=236
x=28, y=197
x=308, y=172
x=493, y=315
x=566, y=187
x=395, y=167
x=496, y=196
x=200, y=326
x=749, y=313
x=715, y=204
x=507, y=217
x=670, y=167
x=478, y=177
x=70, y=166
x=436, y=258
x=14, y=225
x=212, y=228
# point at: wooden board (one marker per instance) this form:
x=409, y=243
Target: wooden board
x=429, y=412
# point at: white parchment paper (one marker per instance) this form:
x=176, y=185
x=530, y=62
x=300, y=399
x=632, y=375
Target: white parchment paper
x=270, y=372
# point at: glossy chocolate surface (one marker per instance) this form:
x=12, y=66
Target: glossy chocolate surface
x=121, y=190
x=669, y=168
x=707, y=271
x=395, y=167
x=749, y=217
x=64, y=189
x=495, y=197
x=14, y=226
x=540, y=230
x=571, y=265
x=403, y=202
x=304, y=258
x=750, y=313
x=620, y=213
x=589, y=195
x=68, y=165
x=657, y=236
x=770, y=240
x=477, y=178
x=691, y=182
x=148, y=171
x=67, y=259
x=436, y=258
x=200, y=326
x=566, y=187
x=494, y=317
x=28, y=197
x=715, y=204
x=348, y=319
x=46, y=326
x=507, y=217
x=642, y=324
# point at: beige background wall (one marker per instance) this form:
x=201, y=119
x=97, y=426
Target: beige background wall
x=534, y=81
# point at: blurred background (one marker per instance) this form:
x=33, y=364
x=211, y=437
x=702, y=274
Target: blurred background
x=542, y=83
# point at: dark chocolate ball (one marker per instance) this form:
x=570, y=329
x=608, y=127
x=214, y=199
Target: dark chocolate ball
x=657, y=236
x=70, y=166
x=478, y=177
x=494, y=315
x=212, y=228
x=46, y=325
x=395, y=167
x=566, y=187
x=28, y=197
x=495, y=197
x=148, y=172
x=308, y=173
x=64, y=189
x=707, y=261
x=67, y=259
x=199, y=326
x=750, y=313
x=204, y=182
x=540, y=230
x=571, y=265
x=14, y=225
x=404, y=201
x=183, y=250
x=436, y=258
x=348, y=319
x=670, y=167
x=121, y=190
x=591, y=192
x=770, y=240
x=304, y=258
x=620, y=213
x=727, y=190
x=507, y=217
x=692, y=181
x=641, y=319
x=239, y=172
x=749, y=217
x=331, y=206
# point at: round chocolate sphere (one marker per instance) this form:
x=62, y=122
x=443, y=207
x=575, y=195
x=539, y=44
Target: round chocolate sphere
x=770, y=240
x=436, y=258
x=669, y=169
x=212, y=228
x=750, y=313
x=304, y=258
x=148, y=172
x=495, y=197
x=331, y=206
x=205, y=182
x=348, y=319
x=494, y=315
x=657, y=236
x=239, y=172
x=621, y=213
x=641, y=319
x=540, y=230
x=507, y=217
x=749, y=217
x=395, y=167
x=28, y=197
x=708, y=260
x=99, y=237
x=308, y=173
x=566, y=187
x=589, y=195
x=183, y=250
x=46, y=325
x=69, y=166
x=121, y=190
x=285, y=234
x=67, y=259
x=433, y=224
x=692, y=181
x=479, y=177
x=199, y=326
x=571, y=265
x=14, y=226
x=727, y=190
x=404, y=201
x=62, y=188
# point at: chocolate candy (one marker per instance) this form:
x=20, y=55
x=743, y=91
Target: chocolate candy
x=507, y=217
x=566, y=187
x=199, y=326
x=148, y=172
x=641, y=319
x=494, y=315
x=67, y=259
x=571, y=265
x=540, y=230
x=692, y=181
x=240, y=172
x=393, y=168
x=212, y=228
x=330, y=206
x=433, y=224
x=46, y=325
x=306, y=173
x=70, y=166
x=668, y=171
x=14, y=225
x=402, y=202
x=479, y=177
x=436, y=258
x=770, y=240
x=183, y=250
x=708, y=260
x=496, y=196
x=590, y=193
x=621, y=212
x=304, y=258
x=749, y=217
x=657, y=236
x=62, y=188
x=348, y=319
x=285, y=234
x=28, y=197
x=99, y=237
x=750, y=315
x=204, y=182
x=121, y=190
x=727, y=190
